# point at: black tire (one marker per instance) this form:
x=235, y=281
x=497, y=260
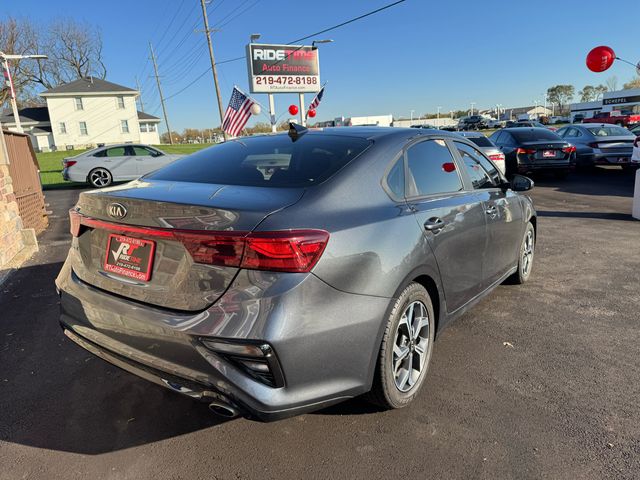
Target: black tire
x=100, y=177
x=385, y=392
x=523, y=274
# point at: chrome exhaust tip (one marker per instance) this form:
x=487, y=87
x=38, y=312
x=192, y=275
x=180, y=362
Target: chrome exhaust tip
x=223, y=410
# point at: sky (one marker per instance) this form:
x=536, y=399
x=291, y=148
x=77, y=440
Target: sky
x=418, y=55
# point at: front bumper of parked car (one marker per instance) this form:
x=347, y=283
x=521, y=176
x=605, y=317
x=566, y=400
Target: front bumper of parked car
x=322, y=342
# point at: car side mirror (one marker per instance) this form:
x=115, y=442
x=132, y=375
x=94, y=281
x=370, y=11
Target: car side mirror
x=520, y=183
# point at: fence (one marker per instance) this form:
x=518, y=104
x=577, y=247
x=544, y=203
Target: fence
x=23, y=169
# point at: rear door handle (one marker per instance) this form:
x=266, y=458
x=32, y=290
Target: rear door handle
x=492, y=211
x=434, y=224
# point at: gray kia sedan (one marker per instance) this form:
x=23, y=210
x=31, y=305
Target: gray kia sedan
x=274, y=275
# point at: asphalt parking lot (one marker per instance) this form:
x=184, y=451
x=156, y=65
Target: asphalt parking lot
x=539, y=381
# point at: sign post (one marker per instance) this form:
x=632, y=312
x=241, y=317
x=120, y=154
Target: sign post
x=272, y=113
x=302, y=110
x=283, y=69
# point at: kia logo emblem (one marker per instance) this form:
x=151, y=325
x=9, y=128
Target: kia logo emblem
x=116, y=210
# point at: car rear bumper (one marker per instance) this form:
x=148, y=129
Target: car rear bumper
x=325, y=341
x=621, y=158
x=544, y=166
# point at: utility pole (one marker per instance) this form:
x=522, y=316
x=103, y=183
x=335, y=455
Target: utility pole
x=214, y=70
x=164, y=109
x=140, y=95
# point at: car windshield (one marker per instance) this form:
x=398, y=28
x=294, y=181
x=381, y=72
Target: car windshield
x=609, y=131
x=533, y=134
x=267, y=161
x=481, y=141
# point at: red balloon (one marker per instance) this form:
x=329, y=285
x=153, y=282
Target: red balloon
x=600, y=58
x=312, y=113
x=293, y=109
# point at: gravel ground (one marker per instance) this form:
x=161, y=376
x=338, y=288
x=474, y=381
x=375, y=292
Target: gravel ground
x=540, y=381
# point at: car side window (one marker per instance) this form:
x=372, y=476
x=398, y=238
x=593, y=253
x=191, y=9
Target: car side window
x=142, y=152
x=395, y=179
x=497, y=137
x=473, y=162
x=507, y=140
x=431, y=169
x=116, y=152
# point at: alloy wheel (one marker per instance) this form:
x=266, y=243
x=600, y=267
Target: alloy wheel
x=100, y=177
x=527, y=253
x=411, y=346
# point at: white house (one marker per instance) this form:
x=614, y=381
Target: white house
x=85, y=113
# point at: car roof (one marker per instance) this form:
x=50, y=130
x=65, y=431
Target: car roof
x=372, y=133
x=471, y=134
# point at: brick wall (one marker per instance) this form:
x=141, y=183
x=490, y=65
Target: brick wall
x=11, y=239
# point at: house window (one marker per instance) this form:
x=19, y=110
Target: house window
x=62, y=128
x=83, y=128
x=79, y=105
x=143, y=128
x=124, y=126
x=121, y=102
x=152, y=127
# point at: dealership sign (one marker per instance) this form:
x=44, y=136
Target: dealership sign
x=283, y=68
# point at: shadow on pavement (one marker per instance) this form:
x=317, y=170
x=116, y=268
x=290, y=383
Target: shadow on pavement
x=596, y=215
x=597, y=181
x=59, y=397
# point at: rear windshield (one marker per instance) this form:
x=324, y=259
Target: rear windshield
x=609, y=131
x=267, y=161
x=533, y=134
x=481, y=141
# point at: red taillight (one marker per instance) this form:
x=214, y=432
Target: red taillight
x=497, y=157
x=284, y=251
x=569, y=149
x=288, y=251
x=69, y=163
x=526, y=150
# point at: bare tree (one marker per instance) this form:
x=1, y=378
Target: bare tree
x=612, y=83
x=18, y=37
x=74, y=50
x=633, y=83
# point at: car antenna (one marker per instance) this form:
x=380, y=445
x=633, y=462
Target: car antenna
x=296, y=131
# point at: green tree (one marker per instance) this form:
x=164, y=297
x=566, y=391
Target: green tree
x=560, y=95
x=588, y=93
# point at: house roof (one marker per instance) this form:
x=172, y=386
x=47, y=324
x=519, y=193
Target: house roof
x=146, y=116
x=41, y=130
x=27, y=115
x=90, y=85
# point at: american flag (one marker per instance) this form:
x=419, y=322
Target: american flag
x=238, y=113
x=317, y=99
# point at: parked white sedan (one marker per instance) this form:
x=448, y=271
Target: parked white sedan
x=114, y=163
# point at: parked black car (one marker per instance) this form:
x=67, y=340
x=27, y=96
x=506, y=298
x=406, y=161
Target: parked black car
x=528, y=150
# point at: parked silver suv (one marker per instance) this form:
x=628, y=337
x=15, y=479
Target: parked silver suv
x=279, y=274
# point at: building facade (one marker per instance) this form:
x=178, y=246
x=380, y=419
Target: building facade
x=85, y=113
x=624, y=101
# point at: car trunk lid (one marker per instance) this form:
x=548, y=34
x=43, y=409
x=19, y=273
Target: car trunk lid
x=154, y=220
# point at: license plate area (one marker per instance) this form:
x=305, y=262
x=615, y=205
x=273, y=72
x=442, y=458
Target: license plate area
x=129, y=257
x=548, y=154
